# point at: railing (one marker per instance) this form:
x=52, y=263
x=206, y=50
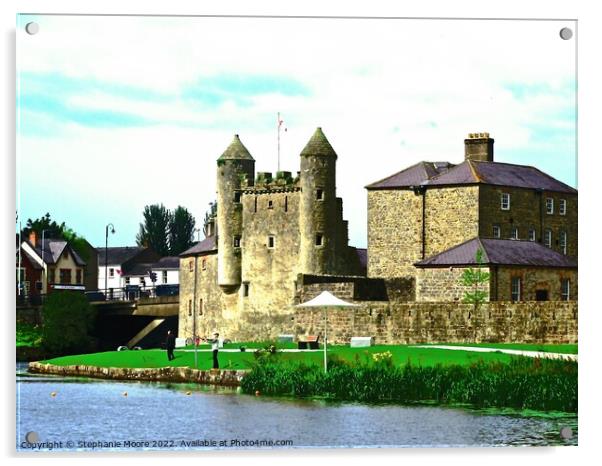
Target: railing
x=133, y=293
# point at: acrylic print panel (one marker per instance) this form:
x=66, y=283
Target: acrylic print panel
x=187, y=186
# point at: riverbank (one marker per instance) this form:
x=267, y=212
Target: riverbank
x=229, y=378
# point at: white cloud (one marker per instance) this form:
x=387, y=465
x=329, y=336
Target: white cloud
x=386, y=92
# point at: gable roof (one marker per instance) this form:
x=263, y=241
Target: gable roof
x=202, y=247
x=118, y=255
x=415, y=175
x=50, y=251
x=499, y=252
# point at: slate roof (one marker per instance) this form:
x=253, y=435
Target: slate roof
x=318, y=145
x=236, y=151
x=473, y=172
x=500, y=252
x=500, y=174
x=53, y=248
x=118, y=255
x=201, y=247
x=412, y=176
x=167, y=263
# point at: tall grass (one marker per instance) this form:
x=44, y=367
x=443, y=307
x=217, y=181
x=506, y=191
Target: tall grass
x=524, y=383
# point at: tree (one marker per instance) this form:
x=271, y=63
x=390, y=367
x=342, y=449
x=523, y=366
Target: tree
x=473, y=279
x=181, y=230
x=155, y=229
x=67, y=317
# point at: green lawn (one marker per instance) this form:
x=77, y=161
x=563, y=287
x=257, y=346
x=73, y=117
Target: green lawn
x=244, y=360
x=564, y=349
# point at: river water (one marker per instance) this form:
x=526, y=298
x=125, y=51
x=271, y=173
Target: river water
x=92, y=414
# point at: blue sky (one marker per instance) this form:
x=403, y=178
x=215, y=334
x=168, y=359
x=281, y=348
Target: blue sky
x=138, y=112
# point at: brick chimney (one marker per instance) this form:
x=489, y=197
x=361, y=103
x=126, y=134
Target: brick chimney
x=33, y=238
x=478, y=146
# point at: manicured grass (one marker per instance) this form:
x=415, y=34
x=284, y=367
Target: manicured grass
x=244, y=360
x=564, y=349
x=28, y=335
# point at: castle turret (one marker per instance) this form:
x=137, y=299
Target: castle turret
x=235, y=166
x=318, y=205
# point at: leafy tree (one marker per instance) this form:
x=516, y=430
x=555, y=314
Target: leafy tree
x=181, y=230
x=474, y=279
x=155, y=229
x=67, y=317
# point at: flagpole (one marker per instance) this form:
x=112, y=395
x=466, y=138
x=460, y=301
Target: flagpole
x=278, y=141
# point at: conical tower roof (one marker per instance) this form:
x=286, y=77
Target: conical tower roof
x=236, y=151
x=318, y=145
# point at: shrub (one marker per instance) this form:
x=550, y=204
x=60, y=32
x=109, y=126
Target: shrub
x=67, y=317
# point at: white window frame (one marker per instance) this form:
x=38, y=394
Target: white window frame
x=562, y=206
x=164, y=277
x=505, y=201
x=547, y=238
x=514, y=233
x=497, y=231
x=515, y=281
x=549, y=205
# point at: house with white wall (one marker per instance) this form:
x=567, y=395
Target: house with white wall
x=115, y=263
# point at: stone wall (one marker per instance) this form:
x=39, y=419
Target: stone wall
x=527, y=211
x=535, y=278
x=410, y=323
x=452, y=217
x=443, y=284
x=161, y=374
x=394, y=232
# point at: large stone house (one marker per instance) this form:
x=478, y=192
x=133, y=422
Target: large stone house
x=426, y=222
x=262, y=234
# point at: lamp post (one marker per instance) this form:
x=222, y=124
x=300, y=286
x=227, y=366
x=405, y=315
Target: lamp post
x=107, y=253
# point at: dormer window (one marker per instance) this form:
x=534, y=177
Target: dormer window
x=505, y=201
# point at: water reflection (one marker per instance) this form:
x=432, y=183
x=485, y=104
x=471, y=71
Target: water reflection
x=186, y=415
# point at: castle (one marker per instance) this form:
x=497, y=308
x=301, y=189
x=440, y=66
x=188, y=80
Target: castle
x=273, y=242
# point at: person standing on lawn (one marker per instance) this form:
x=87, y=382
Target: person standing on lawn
x=170, y=345
x=214, y=349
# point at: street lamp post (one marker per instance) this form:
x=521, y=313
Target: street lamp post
x=44, y=267
x=107, y=253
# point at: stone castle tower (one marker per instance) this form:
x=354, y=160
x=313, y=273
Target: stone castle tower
x=270, y=230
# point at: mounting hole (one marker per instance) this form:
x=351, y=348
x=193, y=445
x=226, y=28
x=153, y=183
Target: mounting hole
x=566, y=33
x=32, y=28
x=32, y=437
x=566, y=433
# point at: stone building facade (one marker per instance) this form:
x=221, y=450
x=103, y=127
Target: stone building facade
x=432, y=207
x=265, y=231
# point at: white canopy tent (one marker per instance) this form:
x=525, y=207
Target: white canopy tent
x=326, y=300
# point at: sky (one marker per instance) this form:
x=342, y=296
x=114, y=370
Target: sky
x=115, y=113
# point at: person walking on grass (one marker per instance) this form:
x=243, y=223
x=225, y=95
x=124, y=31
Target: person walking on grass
x=214, y=348
x=170, y=345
